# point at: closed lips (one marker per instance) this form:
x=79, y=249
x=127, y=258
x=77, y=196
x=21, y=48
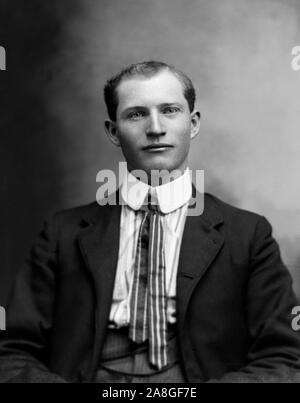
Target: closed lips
x=161, y=145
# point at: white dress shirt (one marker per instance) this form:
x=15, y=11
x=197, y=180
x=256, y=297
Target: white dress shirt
x=173, y=199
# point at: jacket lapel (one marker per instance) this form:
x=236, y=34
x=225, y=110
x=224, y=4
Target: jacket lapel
x=201, y=242
x=99, y=245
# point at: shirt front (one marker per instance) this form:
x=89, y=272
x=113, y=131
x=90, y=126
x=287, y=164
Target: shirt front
x=173, y=199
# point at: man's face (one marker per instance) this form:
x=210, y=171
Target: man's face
x=154, y=125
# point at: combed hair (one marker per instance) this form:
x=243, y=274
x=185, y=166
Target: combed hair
x=144, y=69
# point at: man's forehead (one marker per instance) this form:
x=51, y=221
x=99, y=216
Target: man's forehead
x=163, y=86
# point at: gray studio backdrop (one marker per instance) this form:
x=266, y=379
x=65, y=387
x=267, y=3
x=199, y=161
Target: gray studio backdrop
x=237, y=52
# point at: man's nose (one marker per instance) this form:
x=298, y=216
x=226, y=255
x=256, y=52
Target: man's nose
x=155, y=126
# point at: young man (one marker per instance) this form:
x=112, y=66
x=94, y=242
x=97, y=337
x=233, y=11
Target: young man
x=142, y=291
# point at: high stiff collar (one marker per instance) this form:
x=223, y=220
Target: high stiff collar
x=169, y=196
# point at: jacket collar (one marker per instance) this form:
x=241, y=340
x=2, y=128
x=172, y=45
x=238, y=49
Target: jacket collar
x=211, y=215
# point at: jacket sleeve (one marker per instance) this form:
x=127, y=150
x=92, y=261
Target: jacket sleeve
x=274, y=350
x=24, y=345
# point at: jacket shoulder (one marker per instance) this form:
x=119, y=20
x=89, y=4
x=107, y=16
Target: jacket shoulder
x=244, y=230
x=229, y=210
x=77, y=212
x=239, y=220
x=72, y=219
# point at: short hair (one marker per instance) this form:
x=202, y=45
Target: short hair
x=144, y=69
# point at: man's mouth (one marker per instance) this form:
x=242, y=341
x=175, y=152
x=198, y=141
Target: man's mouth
x=157, y=147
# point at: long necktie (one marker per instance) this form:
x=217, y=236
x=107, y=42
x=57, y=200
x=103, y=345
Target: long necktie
x=148, y=318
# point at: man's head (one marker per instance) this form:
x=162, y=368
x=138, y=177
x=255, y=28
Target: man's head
x=151, y=104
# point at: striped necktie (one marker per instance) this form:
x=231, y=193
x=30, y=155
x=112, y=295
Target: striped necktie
x=148, y=303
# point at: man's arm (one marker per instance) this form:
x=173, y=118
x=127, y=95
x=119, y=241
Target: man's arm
x=23, y=345
x=274, y=351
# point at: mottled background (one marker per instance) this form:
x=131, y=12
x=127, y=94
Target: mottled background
x=59, y=53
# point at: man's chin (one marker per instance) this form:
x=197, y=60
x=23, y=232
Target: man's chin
x=157, y=174
x=158, y=168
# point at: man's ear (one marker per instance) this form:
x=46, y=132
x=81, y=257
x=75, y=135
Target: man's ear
x=111, y=131
x=195, y=123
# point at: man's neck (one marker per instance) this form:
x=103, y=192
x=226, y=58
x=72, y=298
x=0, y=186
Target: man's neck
x=157, y=177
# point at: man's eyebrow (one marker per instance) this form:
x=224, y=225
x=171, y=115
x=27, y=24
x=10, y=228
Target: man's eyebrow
x=134, y=107
x=163, y=105
x=166, y=104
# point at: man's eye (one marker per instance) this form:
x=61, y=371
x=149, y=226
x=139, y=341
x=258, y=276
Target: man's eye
x=170, y=110
x=135, y=115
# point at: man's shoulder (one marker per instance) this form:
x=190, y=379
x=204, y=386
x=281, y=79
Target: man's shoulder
x=83, y=210
x=236, y=218
x=80, y=215
x=229, y=210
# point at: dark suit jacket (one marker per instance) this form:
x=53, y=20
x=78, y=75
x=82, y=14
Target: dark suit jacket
x=234, y=299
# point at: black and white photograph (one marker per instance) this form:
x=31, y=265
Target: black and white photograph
x=150, y=194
